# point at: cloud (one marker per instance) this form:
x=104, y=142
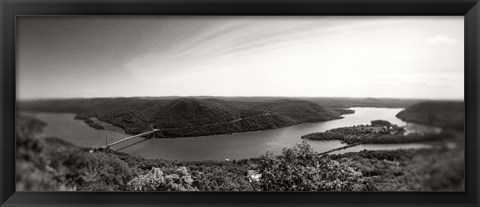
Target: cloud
x=297, y=57
x=441, y=39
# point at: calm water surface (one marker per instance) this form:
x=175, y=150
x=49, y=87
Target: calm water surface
x=219, y=147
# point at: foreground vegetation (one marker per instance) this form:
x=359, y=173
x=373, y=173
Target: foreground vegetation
x=185, y=117
x=51, y=164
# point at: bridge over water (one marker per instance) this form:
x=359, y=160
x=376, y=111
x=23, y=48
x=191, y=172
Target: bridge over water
x=129, y=138
x=108, y=145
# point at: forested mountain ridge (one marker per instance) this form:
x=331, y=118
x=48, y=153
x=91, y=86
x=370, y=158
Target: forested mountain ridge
x=182, y=117
x=449, y=114
x=334, y=102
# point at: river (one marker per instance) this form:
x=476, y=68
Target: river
x=220, y=147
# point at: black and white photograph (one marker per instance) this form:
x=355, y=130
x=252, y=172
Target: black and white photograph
x=240, y=103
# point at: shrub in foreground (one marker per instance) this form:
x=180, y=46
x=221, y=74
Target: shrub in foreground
x=301, y=169
x=156, y=180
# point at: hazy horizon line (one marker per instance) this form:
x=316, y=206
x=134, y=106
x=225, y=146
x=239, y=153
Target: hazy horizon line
x=213, y=96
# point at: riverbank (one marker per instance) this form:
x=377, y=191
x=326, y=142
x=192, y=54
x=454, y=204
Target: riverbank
x=218, y=147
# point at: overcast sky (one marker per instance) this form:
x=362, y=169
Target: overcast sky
x=397, y=57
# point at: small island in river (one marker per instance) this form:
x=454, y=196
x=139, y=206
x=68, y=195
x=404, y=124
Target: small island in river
x=378, y=132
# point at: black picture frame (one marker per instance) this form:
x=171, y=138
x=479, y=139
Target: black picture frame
x=470, y=9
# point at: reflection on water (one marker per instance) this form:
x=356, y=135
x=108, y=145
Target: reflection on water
x=219, y=147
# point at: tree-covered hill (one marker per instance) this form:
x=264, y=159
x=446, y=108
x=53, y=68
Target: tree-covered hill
x=447, y=114
x=333, y=102
x=182, y=117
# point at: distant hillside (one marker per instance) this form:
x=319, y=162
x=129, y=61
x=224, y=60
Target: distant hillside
x=333, y=102
x=449, y=114
x=363, y=102
x=182, y=117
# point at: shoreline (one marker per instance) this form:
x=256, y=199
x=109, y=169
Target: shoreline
x=227, y=136
x=217, y=134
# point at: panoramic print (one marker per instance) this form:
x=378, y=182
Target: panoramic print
x=240, y=103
